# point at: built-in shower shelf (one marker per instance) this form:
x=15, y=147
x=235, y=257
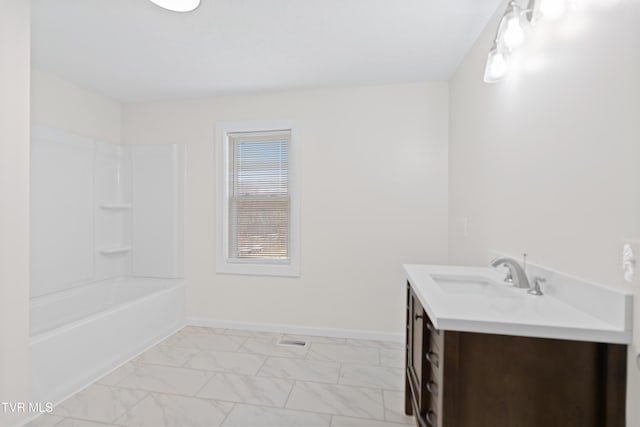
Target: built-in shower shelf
x=115, y=206
x=115, y=250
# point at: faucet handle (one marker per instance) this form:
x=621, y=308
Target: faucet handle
x=535, y=289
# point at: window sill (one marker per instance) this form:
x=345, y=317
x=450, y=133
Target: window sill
x=255, y=269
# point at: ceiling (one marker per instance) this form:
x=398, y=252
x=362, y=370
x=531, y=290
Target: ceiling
x=134, y=51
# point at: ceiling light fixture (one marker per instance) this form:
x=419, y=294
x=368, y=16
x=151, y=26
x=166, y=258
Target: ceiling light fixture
x=177, y=5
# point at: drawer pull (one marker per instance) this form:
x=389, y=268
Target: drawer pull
x=432, y=387
x=419, y=316
x=431, y=418
x=433, y=328
x=432, y=358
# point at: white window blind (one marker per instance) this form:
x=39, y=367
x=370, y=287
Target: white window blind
x=259, y=204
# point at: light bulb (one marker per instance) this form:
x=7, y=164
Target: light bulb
x=496, y=67
x=552, y=9
x=511, y=31
x=513, y=35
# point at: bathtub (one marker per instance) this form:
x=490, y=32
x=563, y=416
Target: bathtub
x=81, y=334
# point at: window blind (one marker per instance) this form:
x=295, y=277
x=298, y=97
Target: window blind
x=259, y=199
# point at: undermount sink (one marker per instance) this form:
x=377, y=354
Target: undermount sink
x=471, y=285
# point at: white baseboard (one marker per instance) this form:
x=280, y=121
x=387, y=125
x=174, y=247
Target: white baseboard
x=298, y=330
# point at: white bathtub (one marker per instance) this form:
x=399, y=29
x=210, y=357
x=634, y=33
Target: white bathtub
x=81, y=334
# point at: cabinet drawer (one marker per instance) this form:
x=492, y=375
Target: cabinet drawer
x=431, y=418
x=434, y=383
x=435, y=387
x=436, y=336
x=433, y=355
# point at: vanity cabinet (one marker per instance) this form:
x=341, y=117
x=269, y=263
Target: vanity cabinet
x=466, y=379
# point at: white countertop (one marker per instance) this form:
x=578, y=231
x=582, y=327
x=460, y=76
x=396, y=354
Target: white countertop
x=511, y=311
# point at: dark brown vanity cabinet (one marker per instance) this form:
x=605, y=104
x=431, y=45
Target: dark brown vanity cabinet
x=464, y=379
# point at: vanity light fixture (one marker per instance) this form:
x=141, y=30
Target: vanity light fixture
x=513, y=29
x=510, y=35
x=177, y=5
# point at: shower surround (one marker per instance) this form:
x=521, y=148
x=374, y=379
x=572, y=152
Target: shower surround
x=106, y=256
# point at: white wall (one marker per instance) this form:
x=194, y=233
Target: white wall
x=374, y=195
x=548, y=161
x=62, y=105
x=14, y=203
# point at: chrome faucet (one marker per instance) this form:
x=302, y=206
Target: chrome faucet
x=516, y=272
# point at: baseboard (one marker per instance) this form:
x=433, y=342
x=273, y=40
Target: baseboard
x=298, y=330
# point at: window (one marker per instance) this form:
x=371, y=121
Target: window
x=257, y=201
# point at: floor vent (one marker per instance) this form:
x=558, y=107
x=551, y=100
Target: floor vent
x=292, y=343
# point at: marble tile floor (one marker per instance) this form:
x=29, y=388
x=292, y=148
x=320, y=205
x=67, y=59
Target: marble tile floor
x=222, y=377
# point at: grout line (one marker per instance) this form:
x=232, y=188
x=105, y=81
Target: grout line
x=169, y=393
x=204, y=385
x=233, y=406
x=394, y=423
x=295, y=382
x=117, y=383
x=277, y=408
x=191, y=368
x=244, y=341
x=264, y=362
x=84, y=420
x=339, y=374
x=62, y=418
x=146, y=394
x=384, y=407
x=41, y=415
x=198, y=353
x=223, y=372
x=359, y=387
x=264, y=406
x=332, y=414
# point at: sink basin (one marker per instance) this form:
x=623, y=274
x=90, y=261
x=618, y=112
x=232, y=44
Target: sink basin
x=471, y=285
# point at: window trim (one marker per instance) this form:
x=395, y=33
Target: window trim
x=255, y=267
